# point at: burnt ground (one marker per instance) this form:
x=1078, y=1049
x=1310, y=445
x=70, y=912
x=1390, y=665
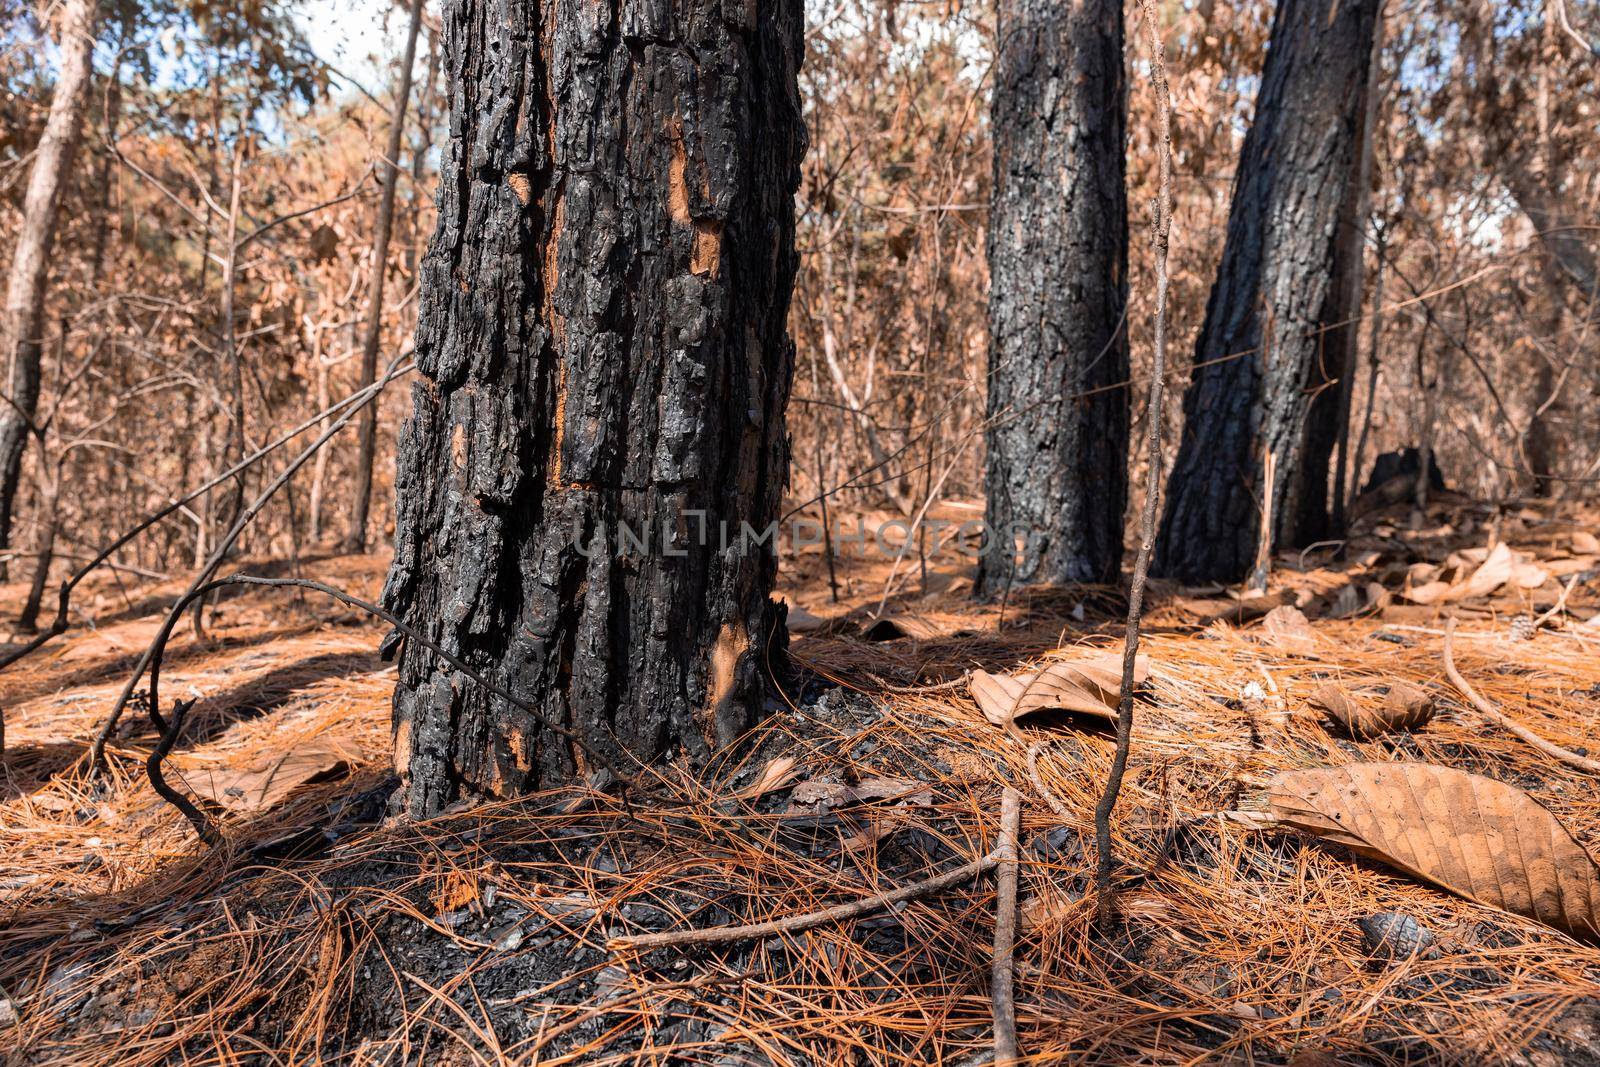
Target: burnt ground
x=322, y=933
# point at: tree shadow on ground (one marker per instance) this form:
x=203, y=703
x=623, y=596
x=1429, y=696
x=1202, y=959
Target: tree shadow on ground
x=29, y=766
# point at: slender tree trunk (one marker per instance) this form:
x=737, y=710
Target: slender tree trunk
x=1374, y=362
x=28, y=621
x=1257, y=357
x=604, y=356
x=1538, y=444
x=233, y=446
x=1058, y=255
x=105, y=179
x=355, y=537
x=21, y=341
x=419, y=154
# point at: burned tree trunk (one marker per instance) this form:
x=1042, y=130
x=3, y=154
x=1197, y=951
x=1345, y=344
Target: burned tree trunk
x=605, y=367
x=1257, y=358
x=1339, y=331
x=21, y=344
x=1058, y=250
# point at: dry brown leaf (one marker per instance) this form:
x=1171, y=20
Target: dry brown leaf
x=1373, y=710
x=825, y=796
x=800, y=621
x=1473, y=836
x=267, y=783
x=1286, y=629
x=1585, y=543
x=775, y=775
x=1501, y=566
x=1429, y=592
x=1528, y=576
x=1091, y=686
x=894, y=627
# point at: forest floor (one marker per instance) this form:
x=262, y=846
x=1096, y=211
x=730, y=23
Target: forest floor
x=321, y=933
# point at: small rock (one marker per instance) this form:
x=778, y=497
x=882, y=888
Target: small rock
x=8, y=1013
x=610, y=984
x=1389, y=936
x=1058, y=842
x=508, y=940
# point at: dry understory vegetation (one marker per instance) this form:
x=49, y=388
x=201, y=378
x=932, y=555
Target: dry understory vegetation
x=488, y=934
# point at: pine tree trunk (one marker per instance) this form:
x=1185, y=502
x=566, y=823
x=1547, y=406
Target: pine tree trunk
x=1333, y=371
x=602, y=341
x=21, y=341
x=1256, y=360
x=1058, y=250
x=355, y=535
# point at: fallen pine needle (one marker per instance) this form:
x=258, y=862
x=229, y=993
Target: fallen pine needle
x=1494, y=714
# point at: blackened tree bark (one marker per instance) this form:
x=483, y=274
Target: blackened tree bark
x=1339, y=331
x=1257, y=358
x=21, y=341
x=602, y=341
x=1058, y=251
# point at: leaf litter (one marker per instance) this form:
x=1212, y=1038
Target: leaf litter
x=1235, y=943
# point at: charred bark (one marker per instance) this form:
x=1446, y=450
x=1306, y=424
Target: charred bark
x=602, y=341
x=1058, y=251
x=21, y=340
x=1257, y=358
x=1333, y=371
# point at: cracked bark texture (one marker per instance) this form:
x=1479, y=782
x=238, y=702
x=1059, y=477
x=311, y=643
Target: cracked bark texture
x=1258, y=357
x=1058, y=249
x=602, y=340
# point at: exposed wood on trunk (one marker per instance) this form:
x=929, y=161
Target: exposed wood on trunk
x=587, y=364
x=1058, y=254
x=1257, y=354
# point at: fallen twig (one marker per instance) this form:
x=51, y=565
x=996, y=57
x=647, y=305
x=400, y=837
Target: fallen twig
x=932, y=687
x=1003, y=968
x=1560, y=605
x=1495, y=715
x=793, y=924
x=169, y=736
x=1039, y=787
x=1160, y=228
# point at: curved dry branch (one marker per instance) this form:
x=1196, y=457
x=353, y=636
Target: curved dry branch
x=1499, y=718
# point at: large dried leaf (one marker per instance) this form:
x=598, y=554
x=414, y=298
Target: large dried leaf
x=267, y=783
x=777, y=774
x=1372, y=710
x=800, y=621
x=1500, y=567
x=1287, y=629
x=1091, y=686
x=825, y=796
x=1476, y=837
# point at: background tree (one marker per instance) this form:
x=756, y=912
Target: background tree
x=603, y=340
x=1258, y=353
x=355, y=538
x=22, y=330
x=1058, y=274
